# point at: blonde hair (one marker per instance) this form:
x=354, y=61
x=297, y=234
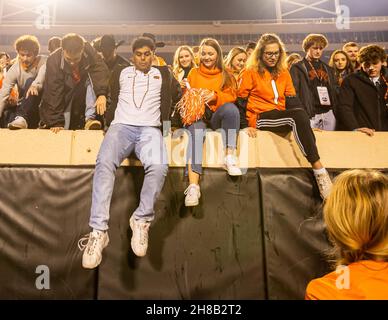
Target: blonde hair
x=227, y=79
x=255, y=60
x=356, y=216
x=292, y=59
x=232, y=53
x=177, y=68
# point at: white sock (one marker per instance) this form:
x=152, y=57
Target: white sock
x=95, y=230
x=319, y=171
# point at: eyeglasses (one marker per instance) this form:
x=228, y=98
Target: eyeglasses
x=272, y=54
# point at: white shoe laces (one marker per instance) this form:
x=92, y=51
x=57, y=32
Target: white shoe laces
x=143, y=231
x=88, y=241
x=191, y=190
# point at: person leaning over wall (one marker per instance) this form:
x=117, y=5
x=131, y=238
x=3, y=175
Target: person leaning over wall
x=27, y=73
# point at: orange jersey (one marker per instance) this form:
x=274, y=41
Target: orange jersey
x=368, y=280
x=204, y=78
x=263, y=92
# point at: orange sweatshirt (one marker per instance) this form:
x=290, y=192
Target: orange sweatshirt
x=264, y=93
x=368, y=280
x=204, y=78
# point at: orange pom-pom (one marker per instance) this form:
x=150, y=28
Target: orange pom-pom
x=192, y=105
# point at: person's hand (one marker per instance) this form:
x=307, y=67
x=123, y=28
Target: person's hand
x=33, y=91
x=209, y=95
x=251, y=132
x=56, y=129
x=369, y=132
x=183, y=83
x=100, y=105
x=13, y=99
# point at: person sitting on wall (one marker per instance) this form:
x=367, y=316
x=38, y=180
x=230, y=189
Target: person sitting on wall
x=219, y=91
x=356, y=218
x=146, y=98
x=265, y=90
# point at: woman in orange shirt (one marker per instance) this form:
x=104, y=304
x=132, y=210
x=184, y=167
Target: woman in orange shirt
x=356, y=217
x=265, y=87
x=221, y=92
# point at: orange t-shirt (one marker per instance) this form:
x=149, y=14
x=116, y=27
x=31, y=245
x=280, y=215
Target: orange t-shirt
x=368, y=280
x=263, y=92
x=205, y=78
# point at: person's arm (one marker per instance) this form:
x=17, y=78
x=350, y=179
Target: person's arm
x=53, y=100
x=176, y=95
x=8, y=83
x=295, y=77
x=244, y=89
x=99, y=76
x=345, y=110
x=37, y=85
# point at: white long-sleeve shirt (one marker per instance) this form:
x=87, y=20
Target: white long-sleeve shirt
x=139, y=98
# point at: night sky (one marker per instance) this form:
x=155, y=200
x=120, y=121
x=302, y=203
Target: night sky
x=126, y=10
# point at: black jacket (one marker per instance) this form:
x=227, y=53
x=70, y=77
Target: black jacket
x=362, y=104
x=59, y=86
x=115, y=70
x=171, y=93
x=299, y=75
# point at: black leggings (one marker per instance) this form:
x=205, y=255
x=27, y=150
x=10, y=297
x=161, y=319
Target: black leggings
x=296, y=120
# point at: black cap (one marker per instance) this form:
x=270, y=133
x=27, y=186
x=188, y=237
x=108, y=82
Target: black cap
x=153, y=38
x=108, y=42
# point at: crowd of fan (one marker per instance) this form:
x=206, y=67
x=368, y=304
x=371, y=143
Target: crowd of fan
x=73, y=89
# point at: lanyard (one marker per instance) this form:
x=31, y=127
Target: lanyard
x=315, y=71
x=386, y=84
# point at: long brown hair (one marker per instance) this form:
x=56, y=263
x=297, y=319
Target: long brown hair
x=227, y=79
x=348, y=68
x=255, y=60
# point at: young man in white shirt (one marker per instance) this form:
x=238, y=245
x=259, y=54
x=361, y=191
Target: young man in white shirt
x=145, y=96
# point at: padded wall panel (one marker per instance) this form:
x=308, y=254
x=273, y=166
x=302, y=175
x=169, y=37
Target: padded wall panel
x=211, y=252
x=43, y=213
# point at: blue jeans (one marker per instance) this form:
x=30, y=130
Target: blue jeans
x=118, y=144
x=90, y=109
x=227, y=117
x=28, y=108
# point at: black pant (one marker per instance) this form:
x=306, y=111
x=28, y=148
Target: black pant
x=296, y=120
x=28, y=108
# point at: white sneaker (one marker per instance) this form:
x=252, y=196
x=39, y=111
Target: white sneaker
x=230, y=165
x=97, y=241
x=193, y=194
x=324, y=184
x=18, y=123
x=139, y=241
